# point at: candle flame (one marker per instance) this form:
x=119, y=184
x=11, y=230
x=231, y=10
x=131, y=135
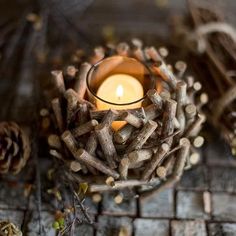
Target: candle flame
x=119, y=91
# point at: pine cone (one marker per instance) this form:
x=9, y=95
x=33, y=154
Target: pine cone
x=14, y=148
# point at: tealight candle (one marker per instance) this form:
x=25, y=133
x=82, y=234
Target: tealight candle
x=120, y=89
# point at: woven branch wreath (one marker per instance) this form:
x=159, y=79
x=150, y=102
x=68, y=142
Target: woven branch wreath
x=154, y=147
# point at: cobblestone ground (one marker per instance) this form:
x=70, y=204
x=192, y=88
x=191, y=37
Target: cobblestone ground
x=178, y=211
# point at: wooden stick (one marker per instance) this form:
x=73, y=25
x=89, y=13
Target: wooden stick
x=194, y=128
x=120, y=184
x=168, y=163
x=198, y=141
x=163, y=51
x=153, y=54
x=165, y=95
x=161, y=172
x=110, y=116
x=91, y=147
x=71, y=71
x=86, y=158
x=80, y=84
x=136, y=165
x=181, y=98
x=68, y=138
x=85, y=128
x=141, y=155
x=142, y=136
x=131, y=119
x=122, y=49
x=75, y=166
x=193, y=90
x=190, y=112
x=82, y=156
x=181, y=67
x=177, y=171
x=110, y=181
x=99, y=54
x=137, y=42
x=151, y=112
x=96, y=198
x=161, y=68
x=54, y=141
x=56, y=154
x=168, y=117
x=123, y=167
x=194, y=158
x=181, y=157
x=71, y=104
x=123, y=134
x=83, y=113
x=189, y=81
x=91, y=144
x=139, y=54
x=155, y=161
x=56, y=107
x=105, y=140
x=98, y=115
x=201, y=100
x=118, y=199
x=58, y=81
x=155, y=98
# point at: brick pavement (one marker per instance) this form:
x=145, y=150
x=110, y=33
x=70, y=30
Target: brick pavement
x=178, y=211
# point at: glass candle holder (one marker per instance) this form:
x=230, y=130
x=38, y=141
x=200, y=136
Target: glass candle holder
x=119, y=82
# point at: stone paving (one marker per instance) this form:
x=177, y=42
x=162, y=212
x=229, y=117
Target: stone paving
x=178, y=211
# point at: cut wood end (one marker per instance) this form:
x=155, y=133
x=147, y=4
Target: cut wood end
x=151, y=92
x=197, y=86
x=94, y=123
x=55, y=101
x=110, y=181
x=96, y=197
x=165, y=147
x=55, y=153
x=194, y=158
x=190, y=109
x=181, y=84
x=161, y=172
x=54, y=141
x=198, y=141
x=56, y=72
x=66, y=134
x=118, y=199
x=184, y=142
x=75, y=166
x=204, y=98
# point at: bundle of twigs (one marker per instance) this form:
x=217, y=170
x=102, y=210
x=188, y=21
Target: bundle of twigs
x=214, y=42
x=158, y=141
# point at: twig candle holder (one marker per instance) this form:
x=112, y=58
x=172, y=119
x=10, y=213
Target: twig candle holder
x=156, y=141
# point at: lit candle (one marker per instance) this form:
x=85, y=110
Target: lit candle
x=119, y=89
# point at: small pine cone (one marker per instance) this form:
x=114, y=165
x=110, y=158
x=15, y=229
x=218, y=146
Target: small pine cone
x=14, y=148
